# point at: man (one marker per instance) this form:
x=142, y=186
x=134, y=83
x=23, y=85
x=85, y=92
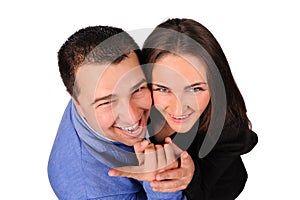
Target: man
x=107, y=115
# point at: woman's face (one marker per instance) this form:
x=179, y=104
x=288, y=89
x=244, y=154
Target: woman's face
x=180, y=90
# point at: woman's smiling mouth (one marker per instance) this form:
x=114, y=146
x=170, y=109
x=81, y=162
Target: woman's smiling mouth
x=180, y=118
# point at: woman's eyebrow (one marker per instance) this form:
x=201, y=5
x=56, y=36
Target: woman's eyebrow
x=158, y=85
x=195, y=84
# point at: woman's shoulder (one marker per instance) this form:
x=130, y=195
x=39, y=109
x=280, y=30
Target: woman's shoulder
x=235, y=139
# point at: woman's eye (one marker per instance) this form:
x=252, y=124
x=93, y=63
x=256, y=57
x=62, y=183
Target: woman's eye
x=196, y=89
x=164, y=90
x=161, y=89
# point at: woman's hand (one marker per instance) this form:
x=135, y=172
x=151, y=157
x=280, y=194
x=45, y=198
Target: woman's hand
x=152, y=159
x=175, y=179
x=158, y=164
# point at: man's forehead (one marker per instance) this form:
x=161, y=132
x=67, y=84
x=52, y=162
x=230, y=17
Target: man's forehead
x=106, y=79
x=90, y=72
x=120, y=81
x=87, y=77
x=95, y=72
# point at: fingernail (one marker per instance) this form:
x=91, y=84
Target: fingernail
x=184, y=155
x=168, y=140
x=144, y=143
x=111, y=173
x=159, y=177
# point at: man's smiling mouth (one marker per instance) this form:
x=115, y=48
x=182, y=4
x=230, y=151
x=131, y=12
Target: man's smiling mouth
x=134, y=130
x=131, y=128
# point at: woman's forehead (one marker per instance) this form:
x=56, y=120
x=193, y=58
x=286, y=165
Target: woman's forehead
x=171, y=67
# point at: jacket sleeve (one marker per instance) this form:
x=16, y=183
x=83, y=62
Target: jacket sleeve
x=217, y=179
x=151, y=195
x=221, y=175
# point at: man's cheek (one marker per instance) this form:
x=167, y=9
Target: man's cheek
x=105, y=120
x=147, y=101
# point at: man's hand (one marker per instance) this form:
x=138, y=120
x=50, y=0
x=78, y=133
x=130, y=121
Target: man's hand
x=158, y=164
x=152, y=160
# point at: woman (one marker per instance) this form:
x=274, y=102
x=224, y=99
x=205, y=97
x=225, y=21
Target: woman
x=186, y=51
x=195, y=93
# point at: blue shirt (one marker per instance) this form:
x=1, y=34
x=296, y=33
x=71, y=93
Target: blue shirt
x=78, y=170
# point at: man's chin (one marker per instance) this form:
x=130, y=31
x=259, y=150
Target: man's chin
x=133, y=141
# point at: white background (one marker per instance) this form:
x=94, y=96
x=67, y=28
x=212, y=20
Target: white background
x=259, y=38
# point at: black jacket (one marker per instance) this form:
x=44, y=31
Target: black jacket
x=221, y=175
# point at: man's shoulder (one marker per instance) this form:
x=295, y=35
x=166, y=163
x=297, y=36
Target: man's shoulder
x=67, y=143
x=65, y=161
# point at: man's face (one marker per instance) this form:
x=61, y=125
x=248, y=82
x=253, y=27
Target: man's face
x=115, y=100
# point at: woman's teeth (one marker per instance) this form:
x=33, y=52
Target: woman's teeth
x=180, y=117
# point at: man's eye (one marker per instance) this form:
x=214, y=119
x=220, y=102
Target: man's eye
x=104, y=104
x=139, y=92
x=140, y=89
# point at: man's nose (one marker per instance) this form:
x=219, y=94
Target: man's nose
x=127, y=112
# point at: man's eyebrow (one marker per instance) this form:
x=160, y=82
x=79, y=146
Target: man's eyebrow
x=138, y=84
x=108, y=97
x=111, y=96
x=195, y=84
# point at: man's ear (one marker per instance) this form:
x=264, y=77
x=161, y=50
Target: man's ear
x=78, y=107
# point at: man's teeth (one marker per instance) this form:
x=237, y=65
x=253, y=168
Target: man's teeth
x=130, y=128
x=180, y=117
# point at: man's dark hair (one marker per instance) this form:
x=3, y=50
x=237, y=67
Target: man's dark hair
x=94, y=44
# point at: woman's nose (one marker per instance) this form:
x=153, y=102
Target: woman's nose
x=179, y=104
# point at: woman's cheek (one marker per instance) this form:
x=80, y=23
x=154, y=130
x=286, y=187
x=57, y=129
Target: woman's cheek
x=159, y=101
x=203, y=101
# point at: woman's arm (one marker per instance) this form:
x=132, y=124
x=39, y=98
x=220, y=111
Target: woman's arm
x=221, y=175
x=218, y=178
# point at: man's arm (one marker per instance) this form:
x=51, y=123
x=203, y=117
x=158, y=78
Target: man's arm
x=153, y=195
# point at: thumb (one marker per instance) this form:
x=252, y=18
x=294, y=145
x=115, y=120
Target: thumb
x=168, y=140
x=126, y=171
x=139, y=149
x=176, y=149
x=186, y=160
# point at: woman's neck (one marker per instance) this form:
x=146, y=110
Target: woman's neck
x=166, y=131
